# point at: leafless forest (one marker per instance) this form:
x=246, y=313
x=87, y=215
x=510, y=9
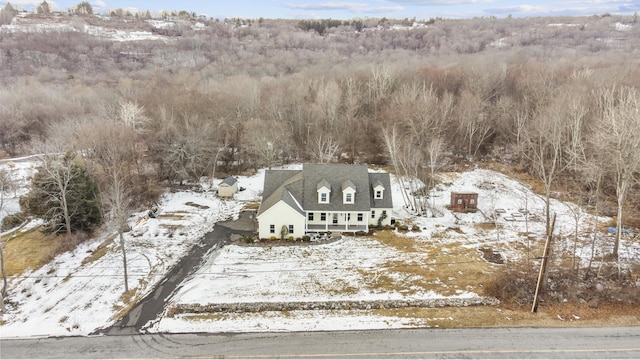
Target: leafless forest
x=558, y=97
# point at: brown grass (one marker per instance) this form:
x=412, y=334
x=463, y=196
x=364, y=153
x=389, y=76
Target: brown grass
x=129, y=299
x=100, y=251
x=254, y=205
x=563, y=315
x=401, y=243
x=171, y=216
x=560, y=315
x=30, y=250
x=444, y=268
x=486, y=226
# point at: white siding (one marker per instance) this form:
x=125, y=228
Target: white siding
x=373, y=221
x=225, y=190
x=278, y=215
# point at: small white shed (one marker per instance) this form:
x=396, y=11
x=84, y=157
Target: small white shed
x=228, y=187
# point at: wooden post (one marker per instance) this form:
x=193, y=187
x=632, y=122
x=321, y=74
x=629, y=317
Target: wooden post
x=543, y=266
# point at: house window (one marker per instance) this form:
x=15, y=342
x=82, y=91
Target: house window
x=360, y=216
x=348, y=198
x=378, y=194
x=310, y=216
x=290, y=229
x=459, y=201
x=373, y=214
x=348, y=217
x=323, y=197
x=272, y=229
x=472, y=201
x=323, y=216
x=384, y=213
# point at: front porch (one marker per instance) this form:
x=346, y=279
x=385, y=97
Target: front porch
x=337, y=228
x=336, y=221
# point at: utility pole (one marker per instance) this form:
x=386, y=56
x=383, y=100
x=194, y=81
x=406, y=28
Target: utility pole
x=543, y=266
x=3, y=290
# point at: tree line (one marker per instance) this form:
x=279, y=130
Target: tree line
x=560, y=101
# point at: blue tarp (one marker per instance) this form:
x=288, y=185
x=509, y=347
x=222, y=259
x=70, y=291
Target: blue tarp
x=612, y=229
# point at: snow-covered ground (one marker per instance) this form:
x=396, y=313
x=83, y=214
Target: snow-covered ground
x=79, y=291
x=30, y=27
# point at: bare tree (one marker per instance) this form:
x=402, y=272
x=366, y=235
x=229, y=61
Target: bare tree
x=12, y=131
x=436, y=146
x=327, y=94
x=187, y=154
x=267, y=141
x=6, y=185
x=545, y=145
x=380, y=83
x=427, y=113
x=392, y=142
x=131, y=114
x=114, y=159
x=44, y=8
x=617, y=141
x=57, y=165
x=474, y=122
x=350, y=115
x=576, y=118
x=593, y=172
x=410, y=160
x=324, y=149
x=7, y=14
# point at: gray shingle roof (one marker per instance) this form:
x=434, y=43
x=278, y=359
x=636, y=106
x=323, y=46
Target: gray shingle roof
x=384, y=180
x=281, y=185
x=229, y=181
x=336, y=174
x=348, y=184
x=287, y=185
x=323, y=183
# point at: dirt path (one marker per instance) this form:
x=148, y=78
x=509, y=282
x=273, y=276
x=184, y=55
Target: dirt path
x=152, y=306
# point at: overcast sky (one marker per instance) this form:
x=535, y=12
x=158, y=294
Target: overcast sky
x=349, y=9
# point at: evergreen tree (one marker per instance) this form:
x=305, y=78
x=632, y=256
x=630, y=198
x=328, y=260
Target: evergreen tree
x=65, y=196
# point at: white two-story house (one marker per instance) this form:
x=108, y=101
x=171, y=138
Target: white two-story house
x=323, y=198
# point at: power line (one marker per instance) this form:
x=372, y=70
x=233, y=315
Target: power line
x=240, y=272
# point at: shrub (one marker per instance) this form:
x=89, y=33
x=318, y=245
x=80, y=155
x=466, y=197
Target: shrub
x=306, y=238
x=12, y=221
x=513, y=284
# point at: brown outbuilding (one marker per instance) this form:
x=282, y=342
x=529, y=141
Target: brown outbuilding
x=464, y=201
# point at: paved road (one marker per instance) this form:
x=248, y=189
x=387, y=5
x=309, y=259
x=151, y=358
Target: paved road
x=425, y=343
x=152, y=306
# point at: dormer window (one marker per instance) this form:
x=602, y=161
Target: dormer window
x=378, y=190
x=348, y=192
x=324, y=190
